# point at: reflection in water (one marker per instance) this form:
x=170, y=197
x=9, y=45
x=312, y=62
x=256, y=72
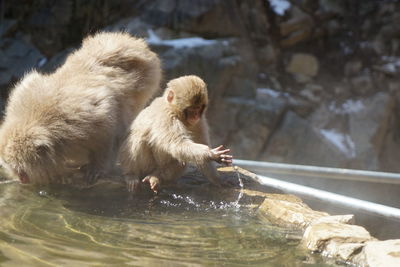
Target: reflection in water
x=191, y=227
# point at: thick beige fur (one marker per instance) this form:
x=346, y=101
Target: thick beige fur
x=160, y=143
x=75, y=117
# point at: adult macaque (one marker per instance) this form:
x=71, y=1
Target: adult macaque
x=73, y=119
x=169, y=134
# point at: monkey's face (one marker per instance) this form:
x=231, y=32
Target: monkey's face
x=15, y=171
x=193, y=114
x=24, y=158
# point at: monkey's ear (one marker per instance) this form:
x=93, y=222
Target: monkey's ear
x=170, y=96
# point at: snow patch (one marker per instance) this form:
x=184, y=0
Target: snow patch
x=349, y=106
x=341, y=141
x=279, y=6
x=178, y=43
x=268, y=92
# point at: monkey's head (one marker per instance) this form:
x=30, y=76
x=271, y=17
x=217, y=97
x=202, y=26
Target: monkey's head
x=187, y=97
x=26, y=152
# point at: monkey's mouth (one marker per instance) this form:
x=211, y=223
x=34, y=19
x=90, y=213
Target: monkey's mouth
x=23, y=177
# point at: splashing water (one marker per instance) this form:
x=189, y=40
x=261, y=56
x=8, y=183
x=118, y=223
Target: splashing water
x=241, y=186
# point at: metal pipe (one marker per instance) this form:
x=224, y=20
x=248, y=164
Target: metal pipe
x=353, y=203
x=320, y=172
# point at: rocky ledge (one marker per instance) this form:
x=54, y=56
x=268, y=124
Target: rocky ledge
x=333, y=236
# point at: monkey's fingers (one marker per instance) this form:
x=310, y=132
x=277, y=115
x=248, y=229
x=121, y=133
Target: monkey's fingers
x=228, y=159
x=221, y=152
x=153, y=181
x=133, y=185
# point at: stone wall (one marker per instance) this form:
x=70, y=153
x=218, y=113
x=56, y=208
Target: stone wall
x=306, y=82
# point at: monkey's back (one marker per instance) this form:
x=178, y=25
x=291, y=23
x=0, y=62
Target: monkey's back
x=86, y=104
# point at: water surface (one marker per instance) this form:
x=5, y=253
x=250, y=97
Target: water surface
x=192, y=226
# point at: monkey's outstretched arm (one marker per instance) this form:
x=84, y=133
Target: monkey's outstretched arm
x=189, y=151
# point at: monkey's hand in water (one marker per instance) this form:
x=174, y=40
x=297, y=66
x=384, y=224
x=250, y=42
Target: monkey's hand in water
x=153, y=181
x=132, y=184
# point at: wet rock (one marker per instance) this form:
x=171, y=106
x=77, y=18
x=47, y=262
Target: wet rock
x=335, y=239
x=293, y=214
x=380, y=253
x=342, y=251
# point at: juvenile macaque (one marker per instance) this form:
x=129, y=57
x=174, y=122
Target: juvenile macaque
x=74, y=119
x=169, y=134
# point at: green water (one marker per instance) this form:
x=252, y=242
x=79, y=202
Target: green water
x=180, y=227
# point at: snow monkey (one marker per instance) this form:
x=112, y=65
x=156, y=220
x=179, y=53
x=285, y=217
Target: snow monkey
x=169, y=134
x=73, y=120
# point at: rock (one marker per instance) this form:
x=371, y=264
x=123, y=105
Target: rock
x=56, y=61
x=17, y=57
x=355, y=129
x=329, y=238
x=347, y=219
x=342, y=251
x=312, y=92
x=352, y=67
x=255, y=122
x=6, y=26
x=215, y=61
x=297, y=141
x=287, y=213
x=368, y=127
x=134, y=25
x=303, y=67
x=362, y=84
x=380, y=253
x=209, y=17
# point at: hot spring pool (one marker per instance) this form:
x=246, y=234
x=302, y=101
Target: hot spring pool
x=189, y=226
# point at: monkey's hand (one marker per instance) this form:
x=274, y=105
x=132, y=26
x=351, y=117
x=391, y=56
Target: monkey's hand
x=153, y=181
x=220, y=155
x=132, y=184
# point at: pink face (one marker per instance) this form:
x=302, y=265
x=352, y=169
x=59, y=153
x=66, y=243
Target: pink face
x=23, y=177
x=193, y=114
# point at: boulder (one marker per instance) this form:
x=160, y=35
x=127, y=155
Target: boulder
x=297, y=141
x=245, y=126
x=335, y=239
x=355, y=128
x=380, y=253
x=289, y=213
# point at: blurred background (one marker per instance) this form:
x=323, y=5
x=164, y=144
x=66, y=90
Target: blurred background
x=311, y=82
